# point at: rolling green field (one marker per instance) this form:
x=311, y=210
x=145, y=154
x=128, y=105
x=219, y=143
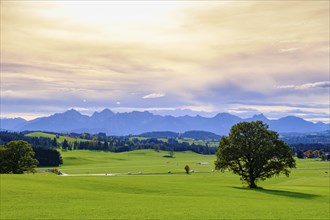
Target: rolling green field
x=60, y=138
x=155, y=194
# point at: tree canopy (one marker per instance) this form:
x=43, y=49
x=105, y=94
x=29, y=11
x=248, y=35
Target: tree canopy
x=47, y=157
x=254, y=153
x=17, y=157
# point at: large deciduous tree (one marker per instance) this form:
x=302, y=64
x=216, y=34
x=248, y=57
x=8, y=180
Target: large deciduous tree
x=254, y=153
x=17, y=157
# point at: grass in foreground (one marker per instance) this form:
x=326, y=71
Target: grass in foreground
x=201, y=195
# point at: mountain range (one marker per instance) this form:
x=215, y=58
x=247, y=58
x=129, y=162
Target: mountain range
x=140, y=122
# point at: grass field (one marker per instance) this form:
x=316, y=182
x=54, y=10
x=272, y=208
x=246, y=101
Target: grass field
x=158, y=195
x=60, y=138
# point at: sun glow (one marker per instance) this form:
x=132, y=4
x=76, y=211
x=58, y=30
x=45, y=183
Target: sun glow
x=114, y=12
x=244, y=57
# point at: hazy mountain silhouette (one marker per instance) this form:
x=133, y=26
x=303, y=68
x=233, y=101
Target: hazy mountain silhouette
x=141, y=122
x=59, y=122
x=12, y=124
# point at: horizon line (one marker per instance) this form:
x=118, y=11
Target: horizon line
x=30, y=118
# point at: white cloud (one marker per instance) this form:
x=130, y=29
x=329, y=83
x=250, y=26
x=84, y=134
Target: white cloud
x=288, y=50
x=324, y=84
x=276, y=111
x=154, y=95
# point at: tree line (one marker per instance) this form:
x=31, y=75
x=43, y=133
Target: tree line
x=43, y=149
x=123, y=144
x=103, y=142
x=45, y=142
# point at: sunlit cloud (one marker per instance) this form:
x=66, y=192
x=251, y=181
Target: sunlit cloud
x=204, y=55
x=325, y=84
x=154, y=96
x=288, y=50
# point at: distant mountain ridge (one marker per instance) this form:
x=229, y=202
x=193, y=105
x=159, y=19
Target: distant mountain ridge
x=141, y=122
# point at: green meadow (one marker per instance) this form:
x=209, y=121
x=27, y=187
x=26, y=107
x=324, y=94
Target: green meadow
x=60, y=138
x=156, y=194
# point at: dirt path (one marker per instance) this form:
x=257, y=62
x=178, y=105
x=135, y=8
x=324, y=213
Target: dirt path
x=100, y=174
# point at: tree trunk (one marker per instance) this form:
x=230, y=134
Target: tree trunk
x=252, y=184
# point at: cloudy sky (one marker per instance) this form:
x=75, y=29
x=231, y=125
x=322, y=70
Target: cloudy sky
x=177, y=57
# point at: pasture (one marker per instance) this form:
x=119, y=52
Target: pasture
x=155, y=194
x=59, y=139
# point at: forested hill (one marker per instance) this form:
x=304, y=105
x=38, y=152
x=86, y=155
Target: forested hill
x=200, y=135
x=75, y=141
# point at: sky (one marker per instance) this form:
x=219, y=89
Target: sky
x=166, y=57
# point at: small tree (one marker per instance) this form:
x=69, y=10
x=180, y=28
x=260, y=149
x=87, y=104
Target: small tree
x=254, y=153
x=17, y=157
x=187, y=169
x=171, y=153
x=105, y=146
x=54, y=142
x=324, y=157
x=300, y=154
x=3, y=162
x=65, y=144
